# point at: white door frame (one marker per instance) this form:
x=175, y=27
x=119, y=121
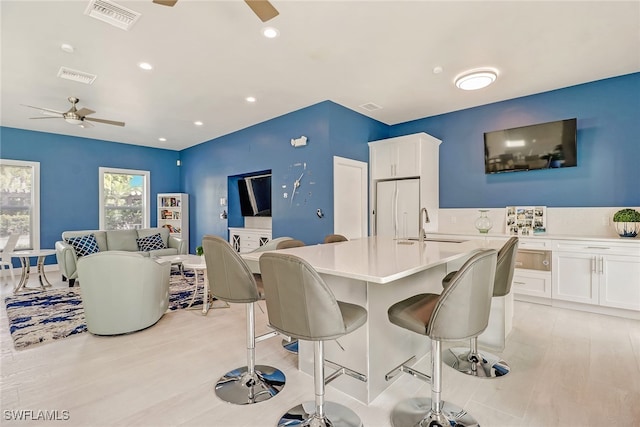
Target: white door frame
x=362, y=198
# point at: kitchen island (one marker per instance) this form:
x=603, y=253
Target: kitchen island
x=375, y=272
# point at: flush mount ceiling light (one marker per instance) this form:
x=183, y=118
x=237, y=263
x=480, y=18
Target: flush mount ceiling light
x=66, y=47
x=476, y=79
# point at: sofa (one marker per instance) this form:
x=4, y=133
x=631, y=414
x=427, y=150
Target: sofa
x=123, y=292
x=145, y=241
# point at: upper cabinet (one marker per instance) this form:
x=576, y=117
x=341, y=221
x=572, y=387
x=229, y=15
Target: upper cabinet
x=395, y=158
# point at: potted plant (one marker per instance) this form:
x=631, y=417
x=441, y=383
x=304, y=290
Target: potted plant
x=199, y=251
x=627, y=222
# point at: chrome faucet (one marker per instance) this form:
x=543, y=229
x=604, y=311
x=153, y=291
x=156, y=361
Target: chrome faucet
x=422, y=234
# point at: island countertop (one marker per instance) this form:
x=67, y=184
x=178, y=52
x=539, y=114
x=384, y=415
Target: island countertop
x=379, y=259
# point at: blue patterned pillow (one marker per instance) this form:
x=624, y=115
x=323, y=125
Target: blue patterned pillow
x=150, y=243
x=84, y=245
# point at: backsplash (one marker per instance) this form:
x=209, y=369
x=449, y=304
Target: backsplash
x=587, y=222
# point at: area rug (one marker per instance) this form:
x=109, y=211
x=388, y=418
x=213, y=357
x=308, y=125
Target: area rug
x=43, y=316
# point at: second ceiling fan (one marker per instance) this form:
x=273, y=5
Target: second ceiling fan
x=262, y=8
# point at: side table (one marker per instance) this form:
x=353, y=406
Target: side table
x=25, y=263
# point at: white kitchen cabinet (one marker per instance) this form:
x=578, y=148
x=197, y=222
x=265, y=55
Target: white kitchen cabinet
x=408, y=156
x=620, y=281
x=395, y=158
x=173, y=213
x=531, y=282
x=248, y=239
x=597, y=273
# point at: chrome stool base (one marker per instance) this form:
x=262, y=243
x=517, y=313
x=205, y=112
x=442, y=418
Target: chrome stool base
x=290, y=346
x=240, y=388
x=486, y=365
x=335, y=415
x=417, y=413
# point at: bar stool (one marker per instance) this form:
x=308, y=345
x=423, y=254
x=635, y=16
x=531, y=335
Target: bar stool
x=468, y=360
x=231, y=280
x=291, y=345
x=301, y=305
x=460, y=312
x=335, y=238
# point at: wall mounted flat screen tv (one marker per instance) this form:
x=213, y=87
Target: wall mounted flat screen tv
x=255, y=195
x=541, y=146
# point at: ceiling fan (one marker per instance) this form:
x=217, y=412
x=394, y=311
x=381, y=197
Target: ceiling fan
x=73, y=115
x=262, y=8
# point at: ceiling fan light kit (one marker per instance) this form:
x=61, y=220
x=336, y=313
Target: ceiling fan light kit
x=73, y=115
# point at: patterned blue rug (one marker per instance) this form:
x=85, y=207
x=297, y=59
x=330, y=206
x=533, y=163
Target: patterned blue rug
x=43, y=316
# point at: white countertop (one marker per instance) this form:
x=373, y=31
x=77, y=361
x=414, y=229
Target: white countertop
x=382, y=259
x=544, y=236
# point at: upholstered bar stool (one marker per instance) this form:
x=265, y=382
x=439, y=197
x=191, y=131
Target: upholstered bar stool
x=468, y=360
x=335, y=238
x=460, y=312
x=231, y=280
x=301, y=305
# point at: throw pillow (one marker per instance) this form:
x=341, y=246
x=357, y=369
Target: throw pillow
x=150, y=243
x=84, y=245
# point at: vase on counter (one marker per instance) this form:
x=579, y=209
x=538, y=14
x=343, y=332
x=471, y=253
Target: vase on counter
x=483, y=223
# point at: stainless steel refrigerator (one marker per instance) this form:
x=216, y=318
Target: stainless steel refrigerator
x=398, y=208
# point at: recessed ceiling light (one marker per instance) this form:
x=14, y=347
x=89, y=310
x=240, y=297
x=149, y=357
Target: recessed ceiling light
x=145, y=66
x=67, y=48
x=270, y=32
x=476, y=79
x=437, y=70
x=198, y=123
x=162, y=139
x=250, y=99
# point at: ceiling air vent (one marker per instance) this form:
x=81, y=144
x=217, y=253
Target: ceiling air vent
x=370, y=106
x=112, y=13
x=76, y=76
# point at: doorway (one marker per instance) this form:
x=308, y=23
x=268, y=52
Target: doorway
x=350, y=181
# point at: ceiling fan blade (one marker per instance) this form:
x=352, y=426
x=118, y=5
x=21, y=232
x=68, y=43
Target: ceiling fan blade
x=263, y=9
x=84, y=112
x=43, y=109
x=169, y=3
x=49, y=117
x=108, y=122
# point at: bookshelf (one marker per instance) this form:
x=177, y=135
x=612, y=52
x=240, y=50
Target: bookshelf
x=173, y=213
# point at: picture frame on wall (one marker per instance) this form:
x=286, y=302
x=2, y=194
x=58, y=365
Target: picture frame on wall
x=526, y=220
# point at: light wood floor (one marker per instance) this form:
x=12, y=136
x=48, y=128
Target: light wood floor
x=569, y=368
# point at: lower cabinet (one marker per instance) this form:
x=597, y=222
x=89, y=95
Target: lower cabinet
x=248, y=239
x=593, y=273
x=531, y=282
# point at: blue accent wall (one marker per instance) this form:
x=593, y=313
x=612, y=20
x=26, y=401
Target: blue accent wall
x=608, y=113
x=69, y=177
x=331, y=130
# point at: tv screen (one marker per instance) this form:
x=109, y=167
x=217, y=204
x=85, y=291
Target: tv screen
x=255, y=195
x=542, y=146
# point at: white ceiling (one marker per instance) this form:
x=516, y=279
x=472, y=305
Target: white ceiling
x=209, y=55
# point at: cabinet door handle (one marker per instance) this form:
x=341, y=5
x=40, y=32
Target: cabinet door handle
x=597, y=247
x=593, y=264
x=601, y=265
x=519, y=283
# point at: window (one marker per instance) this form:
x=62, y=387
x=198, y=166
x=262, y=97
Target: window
x=124, y=199
x=20, y=202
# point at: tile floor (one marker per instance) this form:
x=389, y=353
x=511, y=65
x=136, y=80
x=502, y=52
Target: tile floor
x=569, y=368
